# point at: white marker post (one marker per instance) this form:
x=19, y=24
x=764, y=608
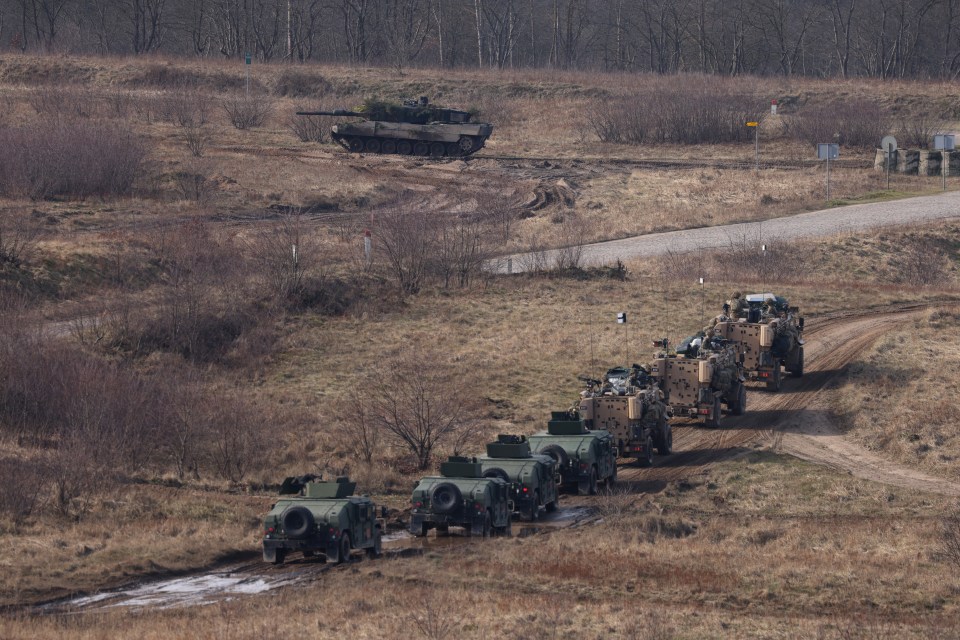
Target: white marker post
x=945, y=143
x=622, y=319
x=756, y=143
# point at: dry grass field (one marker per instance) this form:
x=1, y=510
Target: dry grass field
x=170, y=290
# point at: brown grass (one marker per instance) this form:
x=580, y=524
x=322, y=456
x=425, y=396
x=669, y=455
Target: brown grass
x=791, y=551
x=765, y=547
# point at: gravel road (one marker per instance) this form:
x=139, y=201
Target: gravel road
x=827, y=222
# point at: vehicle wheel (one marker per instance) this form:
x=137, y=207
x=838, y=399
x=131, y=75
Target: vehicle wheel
x=344, y=551
x=421, y=149
x=377, y=548
x=798, y=366
x=372, y=145
x=453, y=150
x=355, y=145
x=507, y=529
x=421, y=532
x=713, y=420
x=558, y=453
x=553, y=506
x=388, y=146
x=487, y=526
x=443, y=531
x=613, y=476
x=437, y=149
x=593, y=481
x=666, y=441
x=739, y=406
x=496, y=472
x=647, y=459
x=776, y=381
x=466, y=145
x=296, y=521
x=534, y=512
x=445, y=497
x=404, y=148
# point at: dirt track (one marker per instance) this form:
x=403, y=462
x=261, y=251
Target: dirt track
x=795, y=421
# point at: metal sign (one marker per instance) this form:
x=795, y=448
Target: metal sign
x=622, y=318
x=944, y=142
x=773, y=107
x=828, y=151
x=248, y=57
x=888, y=144
x=753, y=124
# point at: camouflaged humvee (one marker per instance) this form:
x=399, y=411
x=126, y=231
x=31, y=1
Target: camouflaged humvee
x=532, y=477
x=585, y=457
x=461, y=497
x=317, y=517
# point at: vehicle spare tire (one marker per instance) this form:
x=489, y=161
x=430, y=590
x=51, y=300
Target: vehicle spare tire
x=556, y=452
x=446, y=497
x=297, y=521
x=496, y=472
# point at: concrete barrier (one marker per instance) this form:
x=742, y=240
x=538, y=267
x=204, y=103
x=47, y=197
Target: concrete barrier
x=924, y=162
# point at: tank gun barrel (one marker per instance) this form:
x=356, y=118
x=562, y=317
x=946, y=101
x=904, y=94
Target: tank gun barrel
x=335, y=112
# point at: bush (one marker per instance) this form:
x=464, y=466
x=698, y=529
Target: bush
x=851, y=123
x=21, y=483
x=247, y=112
x=309, y=128
x=69, y=158
x=698, y=111
x=300, y=84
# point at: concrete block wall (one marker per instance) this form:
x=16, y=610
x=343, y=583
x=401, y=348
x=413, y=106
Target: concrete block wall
x=922, y=162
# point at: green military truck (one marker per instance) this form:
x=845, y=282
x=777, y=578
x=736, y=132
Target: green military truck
x=461, y=497
x=532, y=477
x=585, y=457
x=317, y=517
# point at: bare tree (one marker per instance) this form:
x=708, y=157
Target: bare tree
x=423, y=402
x=360, y=425
x=405, y=234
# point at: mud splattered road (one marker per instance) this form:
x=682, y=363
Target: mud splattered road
x=796, y=421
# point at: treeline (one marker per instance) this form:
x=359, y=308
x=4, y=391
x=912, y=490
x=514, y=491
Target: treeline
x=870, y=38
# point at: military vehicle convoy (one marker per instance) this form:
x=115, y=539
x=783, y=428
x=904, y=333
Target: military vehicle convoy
x=318, y=517
x=532, y=477
x=461, y=497
x=585, y=457
x=703, y=374
x=768, y=334
x=629, y=405
x=414, y=127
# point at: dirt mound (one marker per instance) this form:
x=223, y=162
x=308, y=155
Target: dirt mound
x=547, y=194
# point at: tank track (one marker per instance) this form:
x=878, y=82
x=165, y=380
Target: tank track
x=395, y=146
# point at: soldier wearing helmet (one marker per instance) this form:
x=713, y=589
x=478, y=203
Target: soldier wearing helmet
x=738, y=305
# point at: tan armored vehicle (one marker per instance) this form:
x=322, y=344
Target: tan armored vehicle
x=768, y=334
x=702, y=375
x=415, y=127
x=629, y=405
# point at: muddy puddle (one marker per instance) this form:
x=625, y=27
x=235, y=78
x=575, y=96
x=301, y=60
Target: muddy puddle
x=237, y=581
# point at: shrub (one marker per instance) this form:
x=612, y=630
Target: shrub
x=69, y=158
x=852, y=123
x=21, y=484
x=248, y=111
x=293, y=83
x=309, y=128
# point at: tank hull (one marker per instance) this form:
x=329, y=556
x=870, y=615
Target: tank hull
x=453, y=140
